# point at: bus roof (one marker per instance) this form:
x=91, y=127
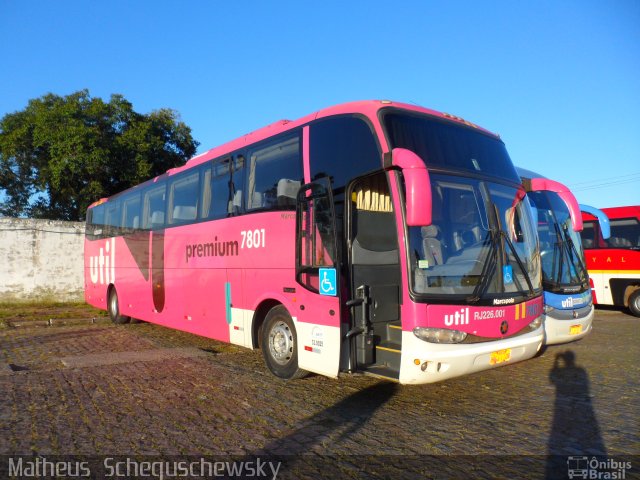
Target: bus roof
x=617, y=212
x=368, y=108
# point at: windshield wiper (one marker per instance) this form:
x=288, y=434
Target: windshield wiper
x=567, y=247
x=558, y=250
x=488, y=269
x=490, y=265
x=571, y=247
x=520, y=264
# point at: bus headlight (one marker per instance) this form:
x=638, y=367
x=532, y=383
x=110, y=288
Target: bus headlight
x=548, y=309
x=536, y=323
x=439, y=335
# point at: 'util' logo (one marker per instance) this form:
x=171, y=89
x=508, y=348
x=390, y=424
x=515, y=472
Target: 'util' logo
x=103, y=266
x=458, y=318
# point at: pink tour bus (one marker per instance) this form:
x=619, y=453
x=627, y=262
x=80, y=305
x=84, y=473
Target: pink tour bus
x=371, y=237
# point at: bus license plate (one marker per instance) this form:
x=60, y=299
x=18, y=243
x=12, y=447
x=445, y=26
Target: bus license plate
x=500, y=356
x=575, y=329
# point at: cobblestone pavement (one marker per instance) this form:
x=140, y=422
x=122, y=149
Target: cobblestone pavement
x=218, y=400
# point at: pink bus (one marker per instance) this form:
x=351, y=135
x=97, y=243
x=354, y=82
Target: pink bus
x=371, y=237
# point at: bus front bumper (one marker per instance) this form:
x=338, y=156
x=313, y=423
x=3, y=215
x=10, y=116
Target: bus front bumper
x=424, y=362
x=561, y=327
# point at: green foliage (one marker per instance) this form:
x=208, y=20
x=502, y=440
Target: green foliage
x=60, y=154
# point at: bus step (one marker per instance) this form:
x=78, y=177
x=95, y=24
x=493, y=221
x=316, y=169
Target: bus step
x=382, y=371
x=388, y=357
x=388, y=347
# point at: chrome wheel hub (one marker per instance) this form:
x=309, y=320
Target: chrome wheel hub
x=281, y=343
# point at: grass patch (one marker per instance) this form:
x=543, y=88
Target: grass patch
x=43, y=310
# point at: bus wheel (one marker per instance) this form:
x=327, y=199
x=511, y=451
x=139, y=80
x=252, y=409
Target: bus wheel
x=114, y=309
x=634, y=303
x=279, y=344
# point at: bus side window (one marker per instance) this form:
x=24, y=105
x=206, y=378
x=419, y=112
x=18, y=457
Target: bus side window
x=343, y=148
x=275, y=174
x=113, y=217
x=183, y=198
x=131, y=212
x=216, y=196
x=154, y=207
x=625, y=233
x=587, y=235
x=236, y=184
x=95, y=227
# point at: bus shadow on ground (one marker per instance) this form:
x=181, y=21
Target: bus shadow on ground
x=312, y=449
x=335, y=424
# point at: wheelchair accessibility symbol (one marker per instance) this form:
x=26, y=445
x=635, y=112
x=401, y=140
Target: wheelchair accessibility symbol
x=328, y=281
x=507, y=274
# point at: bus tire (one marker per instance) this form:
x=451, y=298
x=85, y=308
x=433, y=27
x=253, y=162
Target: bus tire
x=634, y=303
x=113, y=306
x=279, y=344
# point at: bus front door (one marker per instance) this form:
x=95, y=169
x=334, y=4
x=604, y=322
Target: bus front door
x=317, y=270
x=375, y=331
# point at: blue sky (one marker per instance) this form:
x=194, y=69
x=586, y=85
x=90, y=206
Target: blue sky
x=558, y=80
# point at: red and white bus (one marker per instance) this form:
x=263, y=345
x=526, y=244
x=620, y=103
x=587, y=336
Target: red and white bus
x=372, y=237
x=614, y=263
x=568, y=306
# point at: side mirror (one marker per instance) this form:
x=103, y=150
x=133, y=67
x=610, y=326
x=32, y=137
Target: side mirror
x=417, y=185
x=565, y=194
x=603, y=220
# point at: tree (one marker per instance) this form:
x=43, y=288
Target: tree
x=60, y=154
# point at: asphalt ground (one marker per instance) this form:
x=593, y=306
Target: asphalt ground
x=110, y=396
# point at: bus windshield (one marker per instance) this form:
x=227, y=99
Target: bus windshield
x=481, y=244
x=450, y=146
x=563, y=264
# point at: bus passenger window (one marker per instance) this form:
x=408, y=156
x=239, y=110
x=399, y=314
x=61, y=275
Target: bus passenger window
x=131, y=212
x=154, y=207
x=215, y=190
x=95, y=223
x=113, y=217
x=184, y=193
x=588, y=235
x=275, y=174
x=342, y=148
x=234, y=206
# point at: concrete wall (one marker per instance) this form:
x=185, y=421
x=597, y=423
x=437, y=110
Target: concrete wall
x=41, y=259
